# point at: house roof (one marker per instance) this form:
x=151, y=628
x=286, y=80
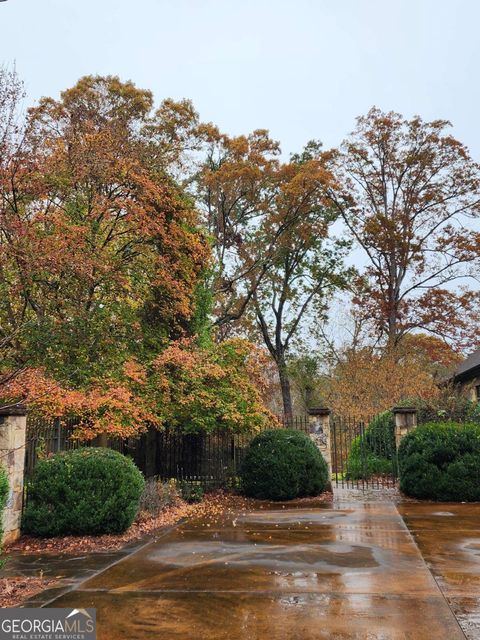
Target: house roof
x=469, y=368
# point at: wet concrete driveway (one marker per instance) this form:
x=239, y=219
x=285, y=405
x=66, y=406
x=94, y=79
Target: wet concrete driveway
x=284, y=572
x=448, y=536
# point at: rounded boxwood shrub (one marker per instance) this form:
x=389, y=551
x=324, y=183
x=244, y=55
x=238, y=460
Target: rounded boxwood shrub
x=84, y=491
x=441, y=461
x=282, y=464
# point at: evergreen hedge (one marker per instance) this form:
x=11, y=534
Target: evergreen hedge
x=374, y=453
x=84, y=491
x=441, y=461
x=282, y=464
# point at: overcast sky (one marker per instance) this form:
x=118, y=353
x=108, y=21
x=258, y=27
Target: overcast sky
x=301, y=68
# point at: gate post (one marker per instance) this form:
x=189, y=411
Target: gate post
x=405, y=421
x=13, y=428
x=319, y=425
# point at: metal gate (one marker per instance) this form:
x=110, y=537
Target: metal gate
x=363, y=452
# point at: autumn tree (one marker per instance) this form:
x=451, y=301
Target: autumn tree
x=105, y=265
x=207, y=389
x=306, y=266
x=235, y=187
x=100, y=250
x=409, y=191
x=270, y=223
x=437, y=356
x=11, y=136
x=365, y=380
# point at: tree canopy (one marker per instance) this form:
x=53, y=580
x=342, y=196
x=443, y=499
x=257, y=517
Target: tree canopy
x=150, y=264
x=408, y=191
x=103, y=257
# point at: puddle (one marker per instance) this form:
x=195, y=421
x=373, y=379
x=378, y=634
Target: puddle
x=302, y=557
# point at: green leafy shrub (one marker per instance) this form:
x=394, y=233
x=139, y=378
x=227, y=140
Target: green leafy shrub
x=473, y=414
x=380, y=435
x=85, y=491
x=191, y=491
x=282, y=464
x=374, y=453
x=3, y=497
x=441, y=461
x=362, y=463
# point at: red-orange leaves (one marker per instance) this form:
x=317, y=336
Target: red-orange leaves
x=209, y=389
x=100, y=251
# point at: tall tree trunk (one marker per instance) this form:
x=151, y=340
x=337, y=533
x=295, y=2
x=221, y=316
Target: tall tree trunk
x=102, y=439
x=285, y=387
x=392, y=320
x=392, y=332
x=308, y=396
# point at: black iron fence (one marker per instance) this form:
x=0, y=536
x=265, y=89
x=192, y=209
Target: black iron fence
x=46, y=436
x=362, y=457
x=359, y=456
x=213, y=459
x=299, y=422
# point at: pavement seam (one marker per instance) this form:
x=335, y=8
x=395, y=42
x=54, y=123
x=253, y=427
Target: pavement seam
x=411, y=595
x=75, y=586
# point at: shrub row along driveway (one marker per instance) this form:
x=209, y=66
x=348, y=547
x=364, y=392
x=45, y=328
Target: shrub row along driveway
x=304, y=570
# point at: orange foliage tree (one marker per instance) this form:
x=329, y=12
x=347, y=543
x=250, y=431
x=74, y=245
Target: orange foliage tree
x=202, y=390
x=114, y=245
x=271, y=224
x=366, y=381
x=102, y=270
x=101, y=253
x=235, y=188
x=117, y=406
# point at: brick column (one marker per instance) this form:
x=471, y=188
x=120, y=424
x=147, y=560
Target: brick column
x=319, y=422
x=405, y=421
x=13, y=428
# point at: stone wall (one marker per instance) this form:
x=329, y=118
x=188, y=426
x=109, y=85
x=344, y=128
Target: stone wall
x=405, y=421
x=13, y=425
x=473, y=384
x=319, y=422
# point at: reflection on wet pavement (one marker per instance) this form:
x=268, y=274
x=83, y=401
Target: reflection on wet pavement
x=449, y=540
x=264, y=616
x=67, y=568
x=309, y=571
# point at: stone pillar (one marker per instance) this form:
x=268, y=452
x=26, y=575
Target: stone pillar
x=405, y=421
x=319, y=422
x=13, y=428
